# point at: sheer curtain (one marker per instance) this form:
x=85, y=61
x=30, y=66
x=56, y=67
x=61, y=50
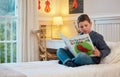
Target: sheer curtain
x=27, y=19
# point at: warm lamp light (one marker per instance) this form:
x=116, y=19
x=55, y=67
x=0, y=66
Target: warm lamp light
x=58, y=21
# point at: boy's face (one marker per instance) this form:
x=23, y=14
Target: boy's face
x=85, y=27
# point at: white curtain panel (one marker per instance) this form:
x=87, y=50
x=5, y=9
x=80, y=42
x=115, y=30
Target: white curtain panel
x=27, y=43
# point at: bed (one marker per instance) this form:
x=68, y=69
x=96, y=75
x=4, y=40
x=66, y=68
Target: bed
x=109, y=67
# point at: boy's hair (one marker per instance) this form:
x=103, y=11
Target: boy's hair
x=82, y=18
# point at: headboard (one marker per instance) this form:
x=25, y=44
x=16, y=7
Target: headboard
x=109, y=27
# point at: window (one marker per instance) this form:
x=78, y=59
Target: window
x=8, y=31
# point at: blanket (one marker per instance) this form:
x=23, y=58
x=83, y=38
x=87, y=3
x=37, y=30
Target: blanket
x=53, y=69
x=8, y=72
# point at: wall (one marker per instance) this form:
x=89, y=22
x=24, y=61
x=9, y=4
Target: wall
x=102, y=7
x=91, y=7
x=94, y=8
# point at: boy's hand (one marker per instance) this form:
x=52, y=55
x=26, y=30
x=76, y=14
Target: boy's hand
x=96, y=52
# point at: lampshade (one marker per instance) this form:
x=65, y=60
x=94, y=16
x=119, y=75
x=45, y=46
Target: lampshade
x=57, y=20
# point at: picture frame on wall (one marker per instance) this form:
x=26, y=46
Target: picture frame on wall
x=76, y=6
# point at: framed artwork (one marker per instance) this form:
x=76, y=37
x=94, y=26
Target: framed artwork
x=76, y=6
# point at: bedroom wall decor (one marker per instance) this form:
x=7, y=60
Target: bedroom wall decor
x=39, y=5
x=76, y=6
x=47, y=6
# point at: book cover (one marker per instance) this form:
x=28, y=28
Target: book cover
x=78, y=44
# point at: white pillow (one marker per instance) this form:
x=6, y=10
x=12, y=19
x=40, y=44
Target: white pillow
x=114, y=56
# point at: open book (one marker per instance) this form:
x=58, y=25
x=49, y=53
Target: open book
x=78, y=44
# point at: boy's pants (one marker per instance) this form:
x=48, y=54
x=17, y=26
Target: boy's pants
x=80, y=59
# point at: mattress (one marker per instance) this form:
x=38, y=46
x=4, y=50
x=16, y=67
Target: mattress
x=53, y=69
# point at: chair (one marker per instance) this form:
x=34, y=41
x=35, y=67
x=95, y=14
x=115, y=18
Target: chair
x=41, y=37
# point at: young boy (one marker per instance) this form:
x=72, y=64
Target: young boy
x=101, y=49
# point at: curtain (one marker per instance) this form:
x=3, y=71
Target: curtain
x=27, y=49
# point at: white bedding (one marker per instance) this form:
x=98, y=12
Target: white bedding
x=53, y=69
x=9, y=72
x=109, y=67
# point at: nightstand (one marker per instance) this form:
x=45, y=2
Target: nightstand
x=53, y=45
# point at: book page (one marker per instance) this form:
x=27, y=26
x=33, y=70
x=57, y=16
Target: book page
x=79, y=44
x=68, y=45
x=82, y=43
